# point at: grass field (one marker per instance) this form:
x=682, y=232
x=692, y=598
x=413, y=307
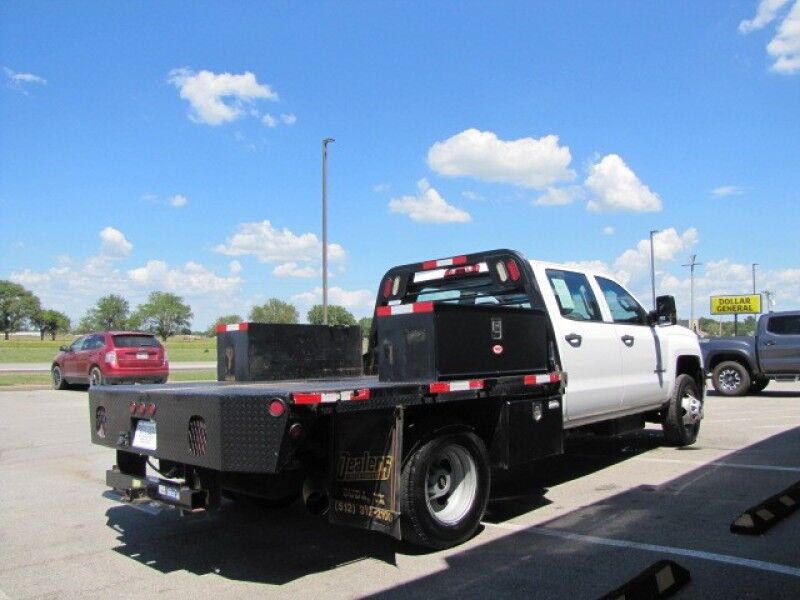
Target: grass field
x=43, y=379
x=180, y=349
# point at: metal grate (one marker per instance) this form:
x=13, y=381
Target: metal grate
x=198, y=437
x=100, y=421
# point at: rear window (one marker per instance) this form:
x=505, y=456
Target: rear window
x=135, y=341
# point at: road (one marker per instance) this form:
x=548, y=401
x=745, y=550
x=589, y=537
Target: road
x=573, y=527
x=44, y=367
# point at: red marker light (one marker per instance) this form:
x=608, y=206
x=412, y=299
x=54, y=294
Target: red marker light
x=140, y=409
x=277, y=408
x=513, y=269
x=151, y=410
x=387, y=287
x=132, y=407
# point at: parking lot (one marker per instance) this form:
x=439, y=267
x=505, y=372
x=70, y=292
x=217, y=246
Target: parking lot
x=577, y=526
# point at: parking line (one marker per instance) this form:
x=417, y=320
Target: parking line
x=719, y=464
x=738, y=561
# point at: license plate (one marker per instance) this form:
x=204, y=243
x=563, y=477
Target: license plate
x=145, y=435
x=142, y=355
x=166, y=491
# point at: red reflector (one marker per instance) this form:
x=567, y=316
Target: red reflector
x=151, y=410
x=439, y=387
x=476, y=384
x=423, y=307
x=132, y=407
x=428, y=264
x=360, y=395
x=387, y=287
x=277, y=408
x=221, y=328
x=555, y=377
x=140, y=408
x=513, y=269
x=459, y=260
x=530, y=380
x=383, y=311
x=307, y=398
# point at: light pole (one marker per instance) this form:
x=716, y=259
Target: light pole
x=653, y=267
x=325, y=143
x=754, y=277
x=692, y=264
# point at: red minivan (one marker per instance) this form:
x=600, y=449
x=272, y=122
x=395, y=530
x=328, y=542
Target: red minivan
x=111, y=357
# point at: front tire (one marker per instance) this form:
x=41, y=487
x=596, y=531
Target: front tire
x=444, y=490
x=96, y=377
x=731, y=378
x=682, y=415
x=58, y=379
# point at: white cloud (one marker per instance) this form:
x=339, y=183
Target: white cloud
x=667, y=245
x=207, y=93
x=271, y=245
x=269, y=120
x=785, y=46
x=765, y=14
x=470, y=195
x=527, y=162
x=559, y=196
x=190, y=278
x=114, y=244
x=178, y=201
x=360, y=301
x=428, y=207
x=616, y=188
x=724, y=191
x=235, y=267
x=19, y=81
x=608, y=230
x=292, y=269
x=288, y=118
x=380, y=188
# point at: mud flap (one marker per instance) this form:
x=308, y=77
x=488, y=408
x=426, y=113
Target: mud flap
x=365, y=470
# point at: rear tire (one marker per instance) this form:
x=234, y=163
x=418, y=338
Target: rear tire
x=681, y=420
x=731, y=378
x=758, y=384
x=58, y=379
x=444, y=490
x=96, y=377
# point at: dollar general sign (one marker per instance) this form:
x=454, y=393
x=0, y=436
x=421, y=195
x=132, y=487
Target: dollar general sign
x=728, y=305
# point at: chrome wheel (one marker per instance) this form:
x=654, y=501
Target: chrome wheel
x=57, y=379
x=729, y=380
x=692, y=409
x=95, y=377
x=451, y=484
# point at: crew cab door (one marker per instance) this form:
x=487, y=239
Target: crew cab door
x=779, y=345
x=589, y=348
x=642, y=363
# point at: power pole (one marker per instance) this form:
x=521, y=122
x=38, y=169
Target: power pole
x=692, y=264
x=769, y=296
x=653, y=267
x=325, y=143
x=754, y=277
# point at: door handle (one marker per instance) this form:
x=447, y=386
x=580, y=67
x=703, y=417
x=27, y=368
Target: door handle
x=627, y=340
x=769, y=343
x=573, y=339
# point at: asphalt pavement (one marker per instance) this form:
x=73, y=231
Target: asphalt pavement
x=577, y=526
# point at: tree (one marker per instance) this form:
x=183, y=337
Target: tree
x=337, y=315
x=165, y=314
x=51, y=322
x=225, y=320
x=366, y=325
x=110, y=312
x=17, y=305
x=274, y=311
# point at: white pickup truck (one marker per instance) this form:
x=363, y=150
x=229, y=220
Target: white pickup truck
x=625, y=365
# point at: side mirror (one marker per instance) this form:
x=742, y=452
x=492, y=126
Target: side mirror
x=63, y=349
x=665, y=311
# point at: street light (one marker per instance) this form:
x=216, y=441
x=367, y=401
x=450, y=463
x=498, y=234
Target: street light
x=325, y=143
x=692, y=264
x=754, y=277
x=653, y=267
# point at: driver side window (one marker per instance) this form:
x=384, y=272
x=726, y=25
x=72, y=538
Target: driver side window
x=77, y=345
x=624, y=308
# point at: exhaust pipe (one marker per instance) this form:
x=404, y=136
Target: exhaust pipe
x=315, y=496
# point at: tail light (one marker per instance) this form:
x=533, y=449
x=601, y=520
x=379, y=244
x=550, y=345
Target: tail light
x=277, y=408
x=387, y=287
x=513, y=269
x=151, y=410
x=111, y=358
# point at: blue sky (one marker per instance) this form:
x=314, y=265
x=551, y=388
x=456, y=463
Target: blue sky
x=176, y=146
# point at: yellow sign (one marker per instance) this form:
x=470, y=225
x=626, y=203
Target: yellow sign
x=729, y=305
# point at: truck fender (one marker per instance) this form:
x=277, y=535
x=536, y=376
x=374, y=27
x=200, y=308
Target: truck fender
x=740, y=356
